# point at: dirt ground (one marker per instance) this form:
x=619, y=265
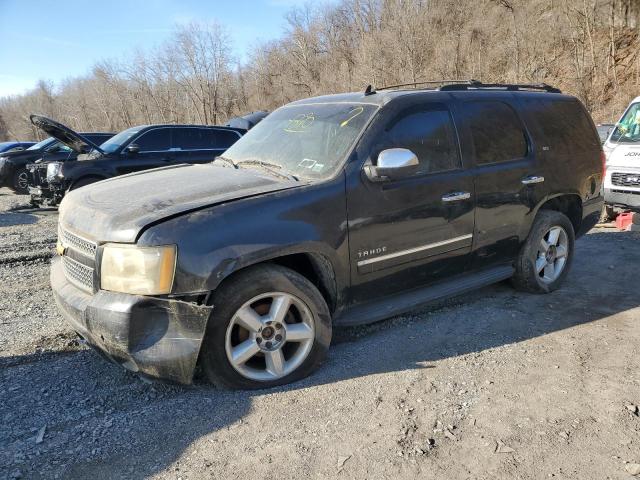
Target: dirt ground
x=495, y=385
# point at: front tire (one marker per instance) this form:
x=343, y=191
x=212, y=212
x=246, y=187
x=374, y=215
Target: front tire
x=546, y=256
x=270, y=326
x=20, y=183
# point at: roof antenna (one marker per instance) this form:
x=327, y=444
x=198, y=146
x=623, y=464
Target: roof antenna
x=369, y=91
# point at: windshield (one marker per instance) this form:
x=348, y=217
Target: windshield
x=628, y=129
x=42, y=144
x=115, y=142
x=308, y=141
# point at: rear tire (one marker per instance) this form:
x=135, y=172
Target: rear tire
x=546, y=256
x=270, y=326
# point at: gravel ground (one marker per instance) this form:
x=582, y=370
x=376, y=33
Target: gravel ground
x=497, y=384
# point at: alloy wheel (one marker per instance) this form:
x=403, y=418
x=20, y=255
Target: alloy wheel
x=22, y=181
x=270, y=336
x=552, y=254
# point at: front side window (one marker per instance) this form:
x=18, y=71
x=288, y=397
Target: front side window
x=497, y=133
x=429, y=134
x=308, y=140
x=117, y=141
x=58, y=147
x=628, y=129
x=156, y=140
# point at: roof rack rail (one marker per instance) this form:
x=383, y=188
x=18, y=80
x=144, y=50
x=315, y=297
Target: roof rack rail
x=428, y=82
x=514, y=87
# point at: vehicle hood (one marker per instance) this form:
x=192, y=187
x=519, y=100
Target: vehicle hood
x=624, y=155
x=72, y=139
x=118, y=209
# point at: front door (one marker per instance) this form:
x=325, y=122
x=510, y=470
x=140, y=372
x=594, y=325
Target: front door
x=416, y=230
x=154, y=151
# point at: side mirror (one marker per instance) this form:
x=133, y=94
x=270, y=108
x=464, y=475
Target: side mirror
x=133, y=148
x=393, y=164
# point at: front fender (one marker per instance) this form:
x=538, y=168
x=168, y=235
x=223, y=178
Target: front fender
x=216, y=242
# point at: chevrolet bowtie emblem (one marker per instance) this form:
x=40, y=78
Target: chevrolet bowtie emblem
x=60, y=249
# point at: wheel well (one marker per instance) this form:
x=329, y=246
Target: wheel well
x=570, y=205
x=317, y=269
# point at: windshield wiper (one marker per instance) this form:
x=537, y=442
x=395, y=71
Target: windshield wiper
x=268, y=166
x=226, y=160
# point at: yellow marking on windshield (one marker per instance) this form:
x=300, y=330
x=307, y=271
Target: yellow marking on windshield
x=353, y=114
x=300, y=123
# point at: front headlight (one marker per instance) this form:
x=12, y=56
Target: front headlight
x=53, y=170
x=137, y=270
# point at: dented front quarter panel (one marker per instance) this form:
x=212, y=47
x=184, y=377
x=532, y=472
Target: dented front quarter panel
x=156, y=337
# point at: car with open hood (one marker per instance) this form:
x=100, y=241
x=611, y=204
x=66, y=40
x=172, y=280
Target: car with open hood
x=336, y=210
x=13, y=164
x=135, y=149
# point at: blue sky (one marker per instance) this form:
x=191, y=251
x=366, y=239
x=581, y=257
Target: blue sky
x=58, y=39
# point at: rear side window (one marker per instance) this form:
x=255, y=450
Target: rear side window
x=156, y=140
x=429, y=134
x=224, y=138
x=191, y=138
x=497, y=132
x=564, y=125
x=202, y=139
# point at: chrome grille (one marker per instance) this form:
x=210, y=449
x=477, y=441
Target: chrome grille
x=77, y=273
x=79, y=244
x=78, y=260
x=625, y=179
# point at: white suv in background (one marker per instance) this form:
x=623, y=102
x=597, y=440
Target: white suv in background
x=622, y=149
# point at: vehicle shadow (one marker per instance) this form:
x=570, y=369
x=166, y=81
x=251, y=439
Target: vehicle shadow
x=139, y=430
x=14, y=218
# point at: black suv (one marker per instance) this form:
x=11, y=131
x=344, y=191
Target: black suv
x=337, y=210
x=13, y=164
x=135, y=149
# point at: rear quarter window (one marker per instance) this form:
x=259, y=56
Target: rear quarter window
x=497, y=132
x=563, y=124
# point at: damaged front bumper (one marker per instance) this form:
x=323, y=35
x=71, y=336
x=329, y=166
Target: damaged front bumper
x=156, y=337
x=50, y=196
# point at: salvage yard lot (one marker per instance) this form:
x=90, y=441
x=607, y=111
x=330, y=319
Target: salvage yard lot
x=497, y=384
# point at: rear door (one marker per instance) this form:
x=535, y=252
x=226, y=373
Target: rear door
x=154, y=151
x=413, y=231
x=505, y=175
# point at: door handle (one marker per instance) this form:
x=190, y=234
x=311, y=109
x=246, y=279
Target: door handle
x=456, y=196
x=532, y=179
